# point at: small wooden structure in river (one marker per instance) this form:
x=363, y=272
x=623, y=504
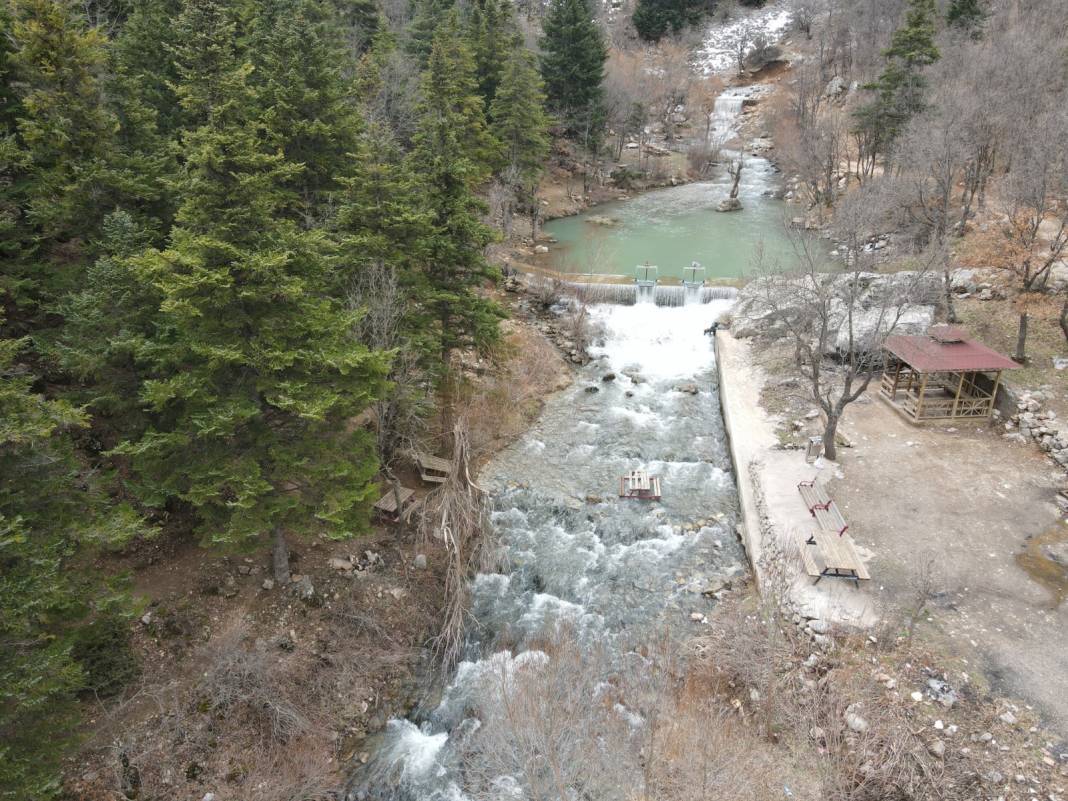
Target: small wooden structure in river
x=942, y=375
x=639, y=484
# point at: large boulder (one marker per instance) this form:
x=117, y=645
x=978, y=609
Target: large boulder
x=871, y=326
x=901, y=302
x=1058, y=277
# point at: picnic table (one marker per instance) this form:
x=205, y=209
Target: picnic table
x=834, y=554
x=433, y=469
x=639, y=484
x=388, y=507
x=821, y=507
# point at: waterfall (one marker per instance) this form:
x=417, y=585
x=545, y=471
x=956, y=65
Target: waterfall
x=725, y=113
x=661, y=295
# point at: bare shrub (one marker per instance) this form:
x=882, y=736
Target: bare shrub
x=501, y=403
x=402, y=414
x=241, y=681
x=569, y=720
x=455, y=514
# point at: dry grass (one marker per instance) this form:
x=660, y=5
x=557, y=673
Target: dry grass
x=995, y=322
x=500, y=405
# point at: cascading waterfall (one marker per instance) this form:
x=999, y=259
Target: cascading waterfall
x=725, y=113
x=661, y=295
x=610, y=572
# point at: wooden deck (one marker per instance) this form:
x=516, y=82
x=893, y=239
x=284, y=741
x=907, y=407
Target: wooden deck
x=639, y=484
x=433, y=469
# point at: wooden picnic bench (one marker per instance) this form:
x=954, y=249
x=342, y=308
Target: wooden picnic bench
x=821, y=507
x=834, y=553
x=387, y=505
x=826, y=554
x=639, y=484
x=433, y=469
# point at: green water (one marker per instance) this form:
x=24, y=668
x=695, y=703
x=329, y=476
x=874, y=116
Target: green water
x=673, y=227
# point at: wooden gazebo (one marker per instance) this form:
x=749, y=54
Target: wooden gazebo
x=942, y=375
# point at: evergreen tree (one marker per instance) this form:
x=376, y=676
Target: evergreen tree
x=965, y=15
x=900, y=87
x=308, y=111
x=653, y=19
x=60, y=625
x=572, y=64
x=450, y=90
x=493, y=35
x=521, y=124
x=56, y=159
x=143, y=53
x=253, y=373
x=452, y=155
x=429, y=16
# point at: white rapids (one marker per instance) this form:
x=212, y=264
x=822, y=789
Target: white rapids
x=579, y=562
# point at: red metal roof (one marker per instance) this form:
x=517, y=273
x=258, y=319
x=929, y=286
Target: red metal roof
x=927, y=355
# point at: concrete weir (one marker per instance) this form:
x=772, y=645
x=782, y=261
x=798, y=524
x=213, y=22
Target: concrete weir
x=774, y=520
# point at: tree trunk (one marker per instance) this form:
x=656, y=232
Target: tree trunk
x=1063, y=319
x=830, y=432
x=281, y=557
x=951, y=310
x=1021, y=340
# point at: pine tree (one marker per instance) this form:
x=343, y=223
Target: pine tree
x=56, y=159
x=965, y=15
x=308, y=111
x=493, y=34
x=521, y=124
x=452, y=155
x=427, y=20
x=143, y=53
x=61, y=625
x=253, y=374
x=900, y=87
x=653, y=19
x=572, y=64
x=450, y=91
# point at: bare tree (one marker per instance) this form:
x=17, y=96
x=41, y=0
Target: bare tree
x=455, y=514
x=836, y=321
x=400, y=416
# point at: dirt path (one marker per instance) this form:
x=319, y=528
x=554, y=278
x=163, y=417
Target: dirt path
x=963, y=501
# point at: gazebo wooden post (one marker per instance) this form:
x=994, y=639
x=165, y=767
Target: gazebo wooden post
x=919, y=401
x=994, y=394
x=956, y=400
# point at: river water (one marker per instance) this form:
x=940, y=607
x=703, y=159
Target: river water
x=579, y=563
x=672, y=227
x=545, y=703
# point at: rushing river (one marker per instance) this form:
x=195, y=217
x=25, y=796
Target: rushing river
x=673, y=227
x=547, y=702
x=579, y=562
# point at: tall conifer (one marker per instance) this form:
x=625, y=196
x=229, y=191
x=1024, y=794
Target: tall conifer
x=253, y=374
x=453, y=154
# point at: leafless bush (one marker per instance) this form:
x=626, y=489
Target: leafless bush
x=570, y=720
x=701, y=157
x=501, y=403
x=241, y=680
x=455, y=514
x=401, y=416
